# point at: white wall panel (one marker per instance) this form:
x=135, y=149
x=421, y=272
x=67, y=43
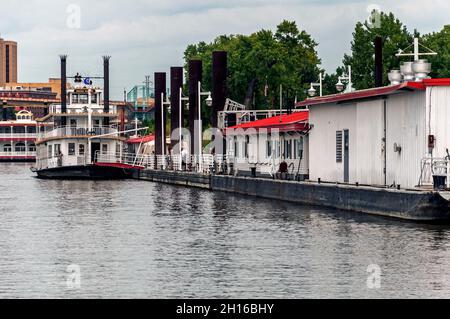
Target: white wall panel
x=369, y=136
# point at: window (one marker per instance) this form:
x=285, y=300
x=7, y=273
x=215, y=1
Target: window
x=94, y=99
x=104, y=148
x=20, y=147
x=299, y=148
x=49, y=149
x=32, y=148
x=7, y=64
x=287, y=149
x=269, y=148
x=81, y=149
x=75, y=99
x=96, y=123
x=246, y=143
x=236, y=147
x=83, y=99
x=338, y=146
x=71, y=148
x=73, y=123
x=19, y=129
x=7, y=148
x=57, y=149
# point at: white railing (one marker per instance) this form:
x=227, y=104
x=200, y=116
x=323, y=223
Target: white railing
x=17, y=154
x=64, y=131
x=82, y=109
x=430, y=166
x=205, y=164
x=124, y=158
x=17, y=135
x=48, y=162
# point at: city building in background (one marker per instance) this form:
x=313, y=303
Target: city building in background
x=142, y=98
x=17, y=138
x=8, y=62
x=53, y=85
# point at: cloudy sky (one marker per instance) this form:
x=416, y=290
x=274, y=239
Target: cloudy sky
x=144, y=36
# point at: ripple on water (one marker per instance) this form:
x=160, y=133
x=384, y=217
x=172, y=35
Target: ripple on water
x=143, y=240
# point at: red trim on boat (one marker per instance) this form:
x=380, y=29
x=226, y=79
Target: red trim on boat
x=143, y=139
x=118, y=165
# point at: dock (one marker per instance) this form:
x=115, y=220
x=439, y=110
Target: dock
x=413, y=205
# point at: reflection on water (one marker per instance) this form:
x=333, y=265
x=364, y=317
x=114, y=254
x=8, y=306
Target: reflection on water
x=145, y=240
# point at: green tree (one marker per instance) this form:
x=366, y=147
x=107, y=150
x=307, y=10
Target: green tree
x=286, y=57
x=440, y=43
x=394, y=35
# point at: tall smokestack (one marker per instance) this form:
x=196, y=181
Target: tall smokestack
x=378, y=62
x=176, y=82
x=219, y=84
x=106, y=59
x=195, y=76
x=160, y=94
x=63, y=88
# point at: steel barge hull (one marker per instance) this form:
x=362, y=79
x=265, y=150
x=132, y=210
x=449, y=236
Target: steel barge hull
x=85, y=172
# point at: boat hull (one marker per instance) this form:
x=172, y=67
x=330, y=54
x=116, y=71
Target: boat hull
x=86, y=172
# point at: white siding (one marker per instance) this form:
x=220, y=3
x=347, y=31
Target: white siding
x=406, y=127
x=438, y=106
x=327, y=119
x=369, y=142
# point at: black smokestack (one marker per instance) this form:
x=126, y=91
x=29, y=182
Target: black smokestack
x=195, y=76
x=63, y=88
x=106, y=59
x=378, y=62
x=160, y=93
x=219, y=84
x=176, y=82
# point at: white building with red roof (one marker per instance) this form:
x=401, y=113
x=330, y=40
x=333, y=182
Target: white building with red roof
x=265, y=144
x=388, y=136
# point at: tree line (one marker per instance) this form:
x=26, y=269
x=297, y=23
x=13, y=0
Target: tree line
x=263, y=61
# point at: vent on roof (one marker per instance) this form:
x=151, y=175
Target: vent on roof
x=407, y=71
x=395, y=77
x=421, y=69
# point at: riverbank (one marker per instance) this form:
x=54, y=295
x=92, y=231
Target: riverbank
x=424, y=206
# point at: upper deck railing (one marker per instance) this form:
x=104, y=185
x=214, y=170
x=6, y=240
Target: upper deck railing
x=81, y=109
x=18, y=136
x=73, y=131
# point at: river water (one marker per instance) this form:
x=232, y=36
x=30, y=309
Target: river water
x=135, y=239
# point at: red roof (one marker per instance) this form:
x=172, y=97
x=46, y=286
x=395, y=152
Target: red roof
x=297, y=121
x=386, y=90
x=143, y=139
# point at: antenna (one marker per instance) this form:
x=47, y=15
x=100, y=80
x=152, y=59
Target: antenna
x=416, y=50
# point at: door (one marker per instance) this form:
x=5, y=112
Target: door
x=95, y=148
x=346, y=156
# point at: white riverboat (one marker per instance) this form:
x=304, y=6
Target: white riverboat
x=72, y=139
